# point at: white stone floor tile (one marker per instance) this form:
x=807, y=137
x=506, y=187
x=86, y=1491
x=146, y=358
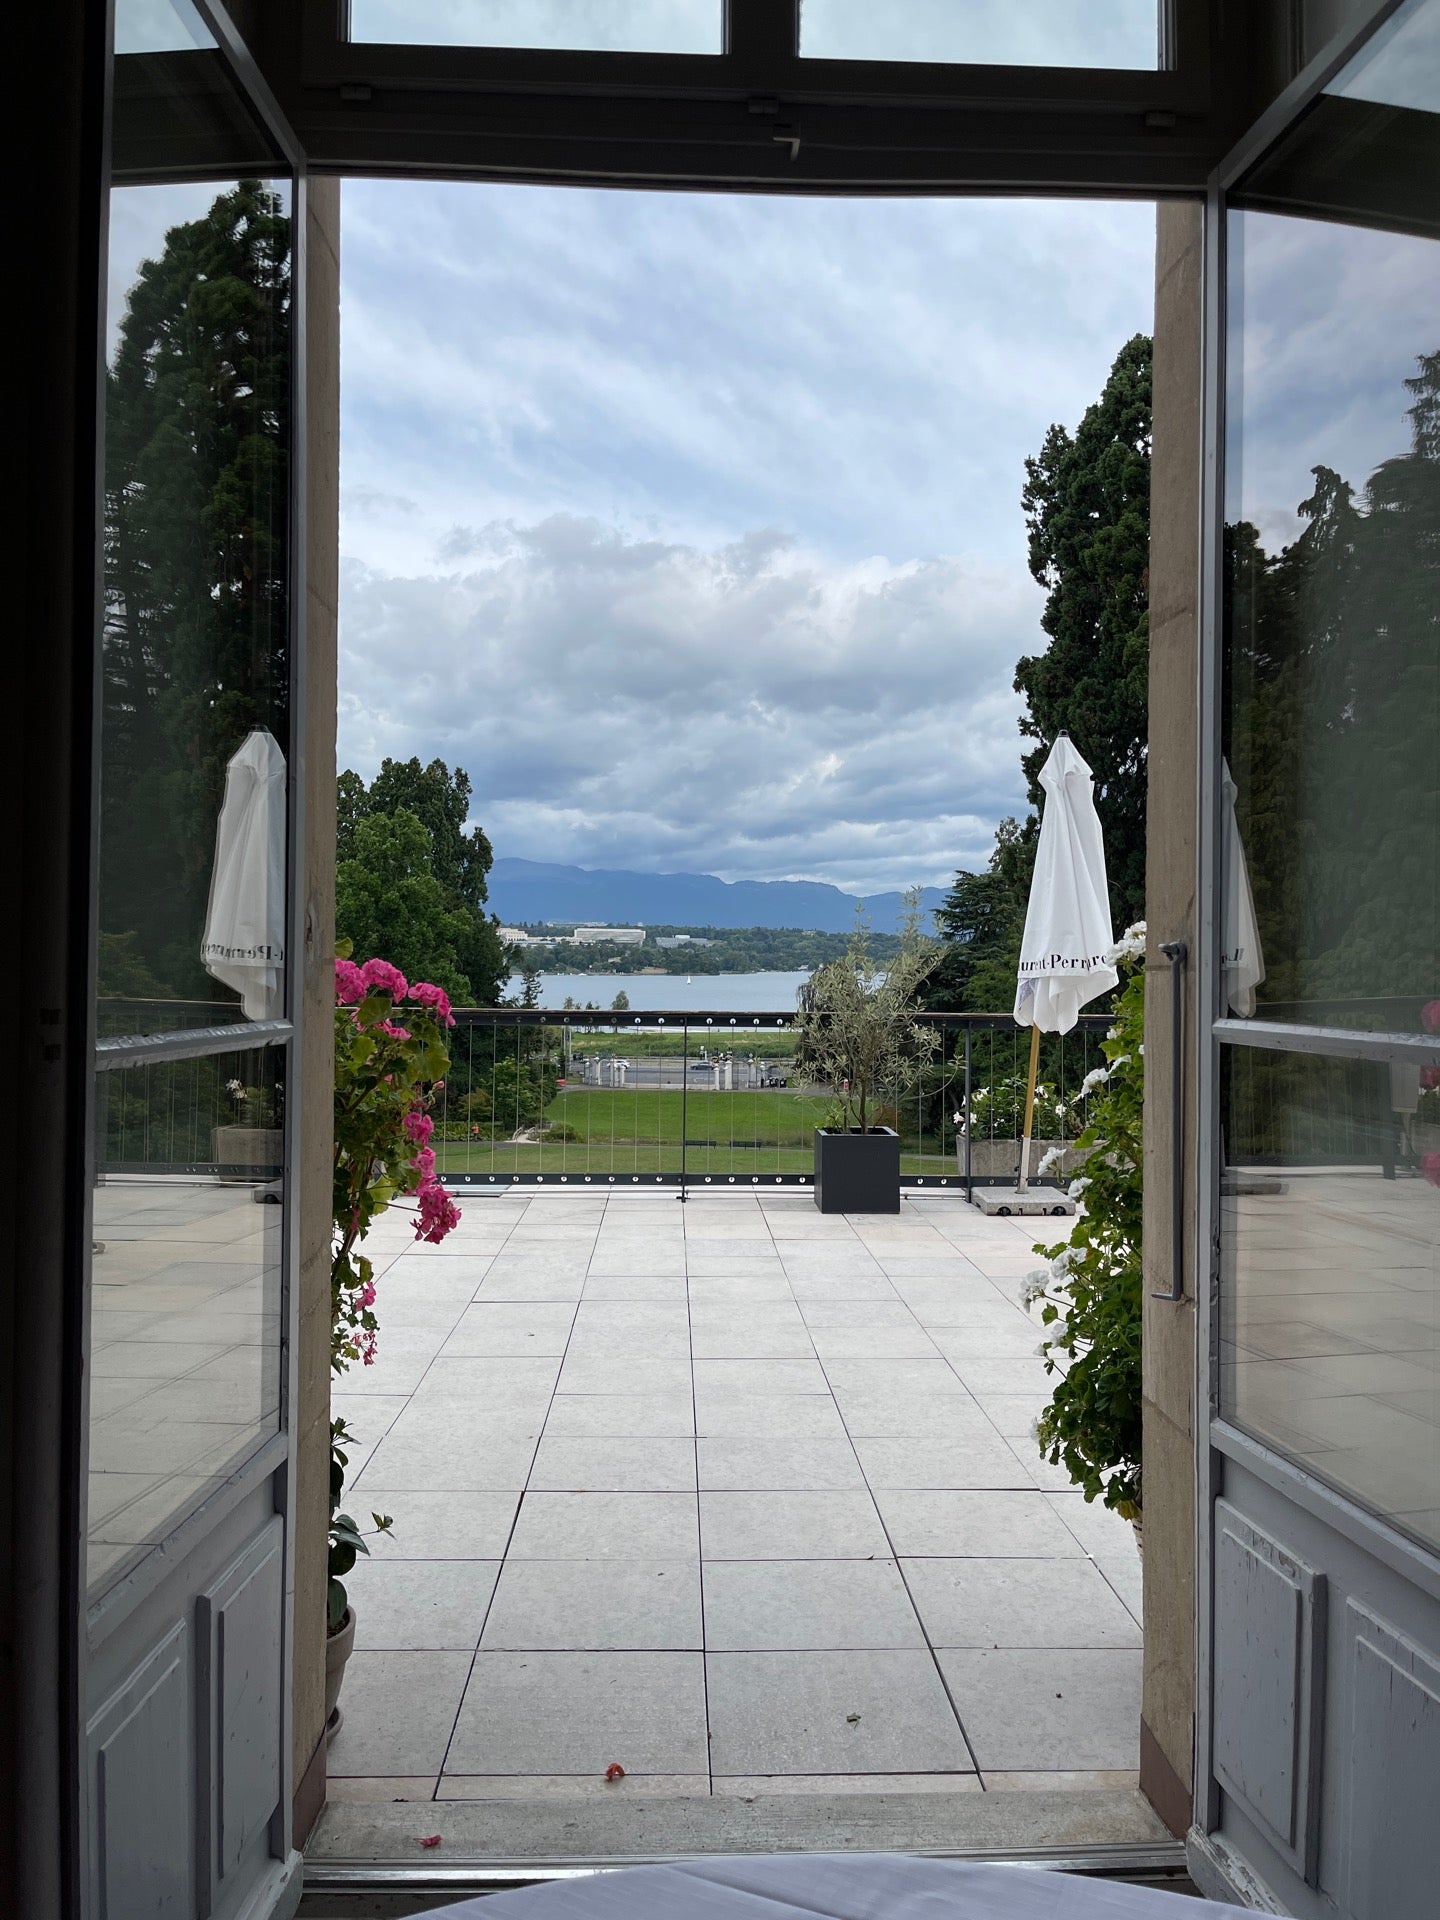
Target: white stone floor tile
x=780, y=1606
x=561, y=1606
x=790, y=1526
x=399, y=1711
x=420, y=1606
x=836, y=1712
x=759, y=1465
x=1062, y=1603
x=604, y=1465
x=440, y=1526
x=1042, y=1709
x=549, y=1713
x=956, y=1524
x=606, y=1526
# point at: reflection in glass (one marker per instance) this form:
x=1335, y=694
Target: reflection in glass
x=185, y=1312
x=1331, y=717
x=602, y=26
x=1242, y=958
x=1399, y=65
x=195, y=643
x=244, y=944
x=1330, y=1274
x=159, y=26
x=1023, y=33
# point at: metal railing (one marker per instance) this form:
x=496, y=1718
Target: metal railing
x=686, y=1100
x=722, y=1099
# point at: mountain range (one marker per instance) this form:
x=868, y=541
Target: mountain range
x=527, y=891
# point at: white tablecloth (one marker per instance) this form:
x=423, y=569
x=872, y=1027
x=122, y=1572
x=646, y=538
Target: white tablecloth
x=836, y=1886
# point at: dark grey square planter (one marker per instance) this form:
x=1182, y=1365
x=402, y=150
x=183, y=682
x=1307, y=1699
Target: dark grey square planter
x=857, y=1172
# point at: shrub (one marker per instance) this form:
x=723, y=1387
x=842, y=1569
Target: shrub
x=1091, y=1293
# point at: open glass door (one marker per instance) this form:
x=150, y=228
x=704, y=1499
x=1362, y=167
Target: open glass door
x=1320, y=1741
x=189, y=1342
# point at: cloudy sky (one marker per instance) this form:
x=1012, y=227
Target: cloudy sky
x=690, y=524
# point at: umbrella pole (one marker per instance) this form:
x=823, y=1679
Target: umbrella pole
x=1024, y=1180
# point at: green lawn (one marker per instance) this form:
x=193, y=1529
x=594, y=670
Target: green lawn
x=639, y=1131
x=654, y=1114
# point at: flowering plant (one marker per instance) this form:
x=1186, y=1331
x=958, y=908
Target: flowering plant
x=254, y=1106
x=1090, y=1294
x=390, y=1059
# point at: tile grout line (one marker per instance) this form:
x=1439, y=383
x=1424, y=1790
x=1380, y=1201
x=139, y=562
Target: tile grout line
x=899, y=1568
x=504, y=1558
x=699, y=1528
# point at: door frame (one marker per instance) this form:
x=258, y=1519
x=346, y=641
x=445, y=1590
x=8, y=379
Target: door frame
x=1219, y=1870
x=273, y=1462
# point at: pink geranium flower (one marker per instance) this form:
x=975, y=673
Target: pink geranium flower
x=438, y=1213
x=435, y=998
x=1430, y=1016
x=418, y=1127
x=380, y=977
x=349, y=983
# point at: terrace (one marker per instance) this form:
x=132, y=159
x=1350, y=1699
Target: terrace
x=738, y=1495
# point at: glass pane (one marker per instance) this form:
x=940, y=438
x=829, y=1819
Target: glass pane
x=185, y=1314
x=1330, y=1275
x=602, y=26
x=194, y=727
x=1021, y=33
x=1400, y=64
x=1331, y=710
x=159, y=26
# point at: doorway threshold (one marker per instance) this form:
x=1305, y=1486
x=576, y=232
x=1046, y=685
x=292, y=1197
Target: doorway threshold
x=365, y=1859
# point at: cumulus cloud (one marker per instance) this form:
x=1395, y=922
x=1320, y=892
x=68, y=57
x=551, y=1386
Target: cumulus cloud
x=743, y=709
x=707, y=550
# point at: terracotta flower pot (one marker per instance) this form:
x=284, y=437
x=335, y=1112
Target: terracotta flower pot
x=338, y=1648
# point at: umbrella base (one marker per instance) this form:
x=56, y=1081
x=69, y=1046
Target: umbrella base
x=1010, y=1200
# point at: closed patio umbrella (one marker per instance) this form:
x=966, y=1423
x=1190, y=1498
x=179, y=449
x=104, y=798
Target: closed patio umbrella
x=1068, y=931
x=244, y=941
x=1242, y=959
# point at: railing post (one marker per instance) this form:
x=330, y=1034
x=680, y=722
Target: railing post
x=969, y=1177
x=684, y=1100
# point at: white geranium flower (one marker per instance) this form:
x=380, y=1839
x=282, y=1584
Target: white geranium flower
x=1032, y=1287
x=1077, y=1186
x=1096, y=1077
x=1129, y=946
x=1060, y=1265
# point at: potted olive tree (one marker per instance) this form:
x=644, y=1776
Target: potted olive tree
x=249, y=1147
x=858, y=1031
x=390, y=1058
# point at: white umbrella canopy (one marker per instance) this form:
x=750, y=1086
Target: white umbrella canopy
x=1068, y=931
x=1242, y=959
x=244, y=940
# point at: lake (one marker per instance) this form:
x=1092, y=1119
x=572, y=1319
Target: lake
x=672, y=992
